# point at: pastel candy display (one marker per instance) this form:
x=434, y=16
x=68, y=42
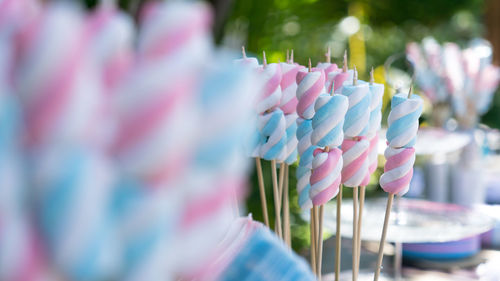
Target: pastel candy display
x=358, y=115
x=304, y=131
x=291, y=138
x=303, y=174
x=398, y=170
x=328, y=121
x=403, y=120
x=355, y=166
x=310, y=86
x=271, y=93
x=288, y=84
x=326, y=175
x=272, y=127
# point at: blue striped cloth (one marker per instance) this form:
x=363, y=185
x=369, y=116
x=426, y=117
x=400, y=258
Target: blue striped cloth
x=265, y=257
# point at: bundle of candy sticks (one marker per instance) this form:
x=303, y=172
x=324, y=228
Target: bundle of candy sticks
x=330, y=120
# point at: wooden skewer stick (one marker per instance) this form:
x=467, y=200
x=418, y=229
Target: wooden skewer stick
x=243, y=52
x=277, y=219
x=328, y=55
x=337, y=235
x=280, y=195
x=354, y=232
x=281, y=184
x=320, y=241
x=286, y=207
x=262, y=191
x=362, y=191
x=313, y=242
x=264, y=60
x=344, y=68
x=382, y=239
x=310, y=68
x=410, y=91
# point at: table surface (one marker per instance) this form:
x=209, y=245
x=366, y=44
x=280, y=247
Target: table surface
x=411, y=221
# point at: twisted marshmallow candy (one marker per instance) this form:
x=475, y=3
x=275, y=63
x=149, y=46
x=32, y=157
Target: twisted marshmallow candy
x=288, y=84
x=403, y=120
x=310, y=86
x=272, y=126
x=304, y=131
x=291, y=138
x=376, y=94
x=271, y=93
x=358, y=114
x=401, y=136
x=328, y=121
x=327, y=132
x=326, y=175
x=303, y=174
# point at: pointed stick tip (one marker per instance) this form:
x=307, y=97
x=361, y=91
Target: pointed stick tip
x=310, y=68
x=243, y=52
x=264, y=60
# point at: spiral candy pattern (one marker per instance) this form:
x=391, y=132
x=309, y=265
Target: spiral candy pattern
x=291, y=138
x=337, y=78
x=403, y=120
x=398, y=170
x=310, y=86
x=376, y=92
x=326, y=175
x=271, y=92
x=304, y=131
x=303, y=174
x=328, y=121
x=288, y=84
x=273, y=129
x=355, y=166
x=358, y=114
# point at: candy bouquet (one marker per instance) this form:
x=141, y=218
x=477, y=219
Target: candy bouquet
x=457, y=82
